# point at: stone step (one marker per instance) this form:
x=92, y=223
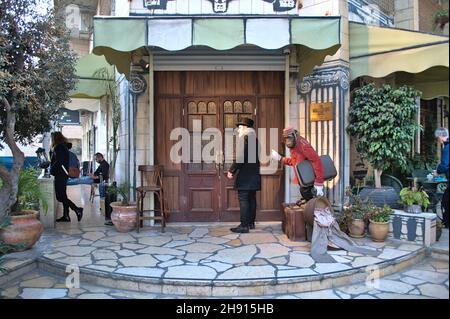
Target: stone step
x=232, y=288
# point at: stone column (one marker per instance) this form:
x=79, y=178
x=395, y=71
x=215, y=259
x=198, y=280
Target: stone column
x=48, y=218
x=328, y=82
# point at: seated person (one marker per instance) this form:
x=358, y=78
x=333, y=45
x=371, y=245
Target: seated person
x=102, y=170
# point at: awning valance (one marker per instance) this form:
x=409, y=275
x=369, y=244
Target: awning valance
x=88, y=85
x=116, y=38
x=413, y=58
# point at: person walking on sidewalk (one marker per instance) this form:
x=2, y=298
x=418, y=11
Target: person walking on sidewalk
x=59, y=169
x=301, y=150
x=246, y=168
x=441, y=134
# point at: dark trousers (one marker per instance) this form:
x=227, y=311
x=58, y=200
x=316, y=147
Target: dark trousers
x=247, y=205
x=445, y=203
x=61, y=196
x=307, y=192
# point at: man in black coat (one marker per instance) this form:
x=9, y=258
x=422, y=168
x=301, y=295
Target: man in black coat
x=248, y=178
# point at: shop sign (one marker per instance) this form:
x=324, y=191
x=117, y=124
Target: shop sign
x=321, y=112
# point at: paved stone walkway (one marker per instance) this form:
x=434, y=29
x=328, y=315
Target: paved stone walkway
x=426, y=280
x=203, y=253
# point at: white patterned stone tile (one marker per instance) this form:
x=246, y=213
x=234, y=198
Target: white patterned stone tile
x=364, y=261
x=278, y=260
x=154, y=241
x=78, y=261
x=43, y=293
x=272, y=250
x=163, y=257
x=196, y=257
x=321, y=294
x=385, y=295
x=394, y=286
x=176, y=243
x=300, y=260
x=112, y=263
x=295, y=273
x=191, y=272
x=235, y=255
x=249, y=272
x=435, y=291
x=199, y=232
x=170, y=263
x=412, y=281
x=39, y=282
x=139, y=260
x=141, y=271
x=213, y=240
x=389, y=253
x=94, y=296
x=132, y=246
x=201, y=248
x=220, y=267
x=125, y=253
x=104, y=254
x=155, y=250
x=102, y=268
x=429, y=276
x=76, y=250
x=324, y=268
x=120, y=239
x=93, y=236
x=66, y=242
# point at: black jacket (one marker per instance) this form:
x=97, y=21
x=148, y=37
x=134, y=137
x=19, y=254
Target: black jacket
x=247, y=165
x=60, y=156
x=104, y=170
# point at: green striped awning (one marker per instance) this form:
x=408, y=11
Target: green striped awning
x=117, y=38
x=410, y=57
x=89, y=86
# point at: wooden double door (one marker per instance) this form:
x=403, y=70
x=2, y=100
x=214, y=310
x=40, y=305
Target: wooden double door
x=197, y=101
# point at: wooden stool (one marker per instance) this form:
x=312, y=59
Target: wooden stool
x=152, y=175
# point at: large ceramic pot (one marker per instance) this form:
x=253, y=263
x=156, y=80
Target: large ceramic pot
x=357, y=228
x=24, y=231
x=378, y=231
x=124, y=216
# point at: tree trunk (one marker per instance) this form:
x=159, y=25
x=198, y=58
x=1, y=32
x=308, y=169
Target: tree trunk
x=377, y=173
x=8, y=193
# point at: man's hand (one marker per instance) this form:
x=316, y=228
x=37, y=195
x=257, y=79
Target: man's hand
x=229, y=175
x=274, y=155
x=319, y=190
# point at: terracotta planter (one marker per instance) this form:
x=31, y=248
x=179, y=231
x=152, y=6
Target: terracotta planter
x=25, y=230
x=378, y=231
x=124, y=217
x=357, y=228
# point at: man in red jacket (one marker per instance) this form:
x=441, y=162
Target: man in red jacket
x=302, y=150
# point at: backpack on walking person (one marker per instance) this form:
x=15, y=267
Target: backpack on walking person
x=74, y=165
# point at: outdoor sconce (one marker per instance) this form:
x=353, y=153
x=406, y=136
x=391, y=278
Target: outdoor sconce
x=144, y=65
x=44, y=163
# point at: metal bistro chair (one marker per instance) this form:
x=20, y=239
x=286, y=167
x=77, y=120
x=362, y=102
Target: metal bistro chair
x=152, y=176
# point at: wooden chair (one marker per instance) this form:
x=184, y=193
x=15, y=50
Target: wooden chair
x=151, y=182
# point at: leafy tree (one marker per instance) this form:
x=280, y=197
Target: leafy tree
x=37, y=72
x=383, y=121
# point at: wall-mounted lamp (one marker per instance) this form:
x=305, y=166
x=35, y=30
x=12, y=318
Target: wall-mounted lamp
x=144, y=65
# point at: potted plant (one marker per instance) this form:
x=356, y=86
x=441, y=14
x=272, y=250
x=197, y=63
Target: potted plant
x=440, y=19
x=383, y=123
x=414, y=199
x=24, y=228
x=124, y=212
x=379, y=223
x=353, y=217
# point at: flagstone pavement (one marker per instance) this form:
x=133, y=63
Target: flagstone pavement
x=211, y=253
x=426, y=280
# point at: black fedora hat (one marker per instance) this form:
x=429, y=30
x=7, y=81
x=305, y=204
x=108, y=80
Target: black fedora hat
x=245, y=121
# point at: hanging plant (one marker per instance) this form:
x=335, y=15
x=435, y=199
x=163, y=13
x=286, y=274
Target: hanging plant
x=383, y=122
x=440, y=19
